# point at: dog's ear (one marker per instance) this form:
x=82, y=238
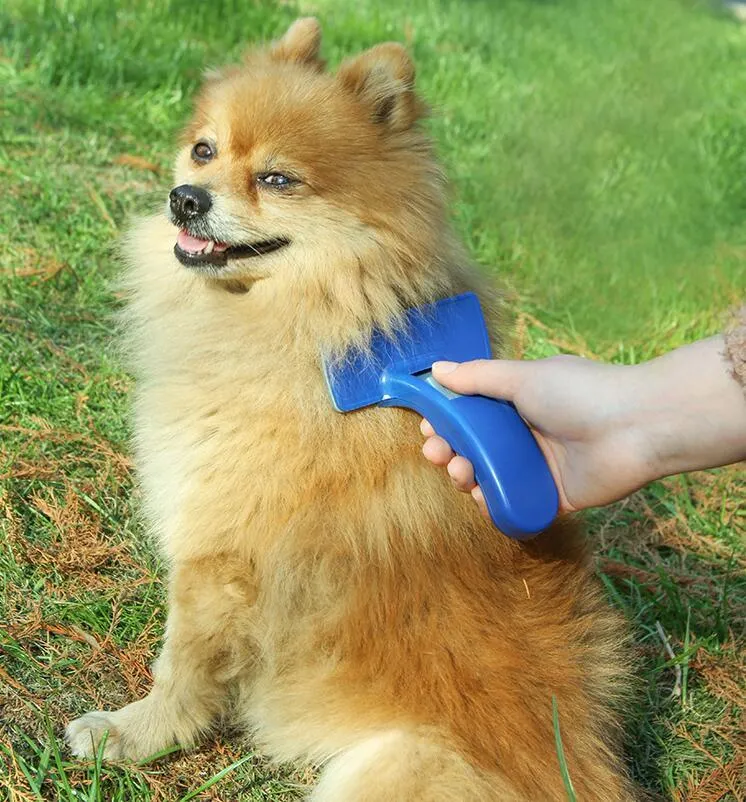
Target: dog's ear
x=383, y=79
x=300, y=44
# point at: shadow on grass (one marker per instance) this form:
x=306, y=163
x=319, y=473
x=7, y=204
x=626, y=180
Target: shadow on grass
x=669, y=558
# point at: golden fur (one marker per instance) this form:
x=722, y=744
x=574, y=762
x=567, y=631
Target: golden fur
x=326, y=582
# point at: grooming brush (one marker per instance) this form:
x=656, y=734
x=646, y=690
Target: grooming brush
x=509, y=466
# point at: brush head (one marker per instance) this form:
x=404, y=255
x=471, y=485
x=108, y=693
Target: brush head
x=509, y=466
x=452, y=329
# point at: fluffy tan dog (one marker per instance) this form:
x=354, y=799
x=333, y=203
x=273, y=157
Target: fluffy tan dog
x=327, y=585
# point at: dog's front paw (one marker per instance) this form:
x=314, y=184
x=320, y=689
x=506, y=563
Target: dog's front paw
x=84, y=736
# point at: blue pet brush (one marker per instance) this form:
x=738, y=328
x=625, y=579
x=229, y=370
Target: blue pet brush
x=396, y=371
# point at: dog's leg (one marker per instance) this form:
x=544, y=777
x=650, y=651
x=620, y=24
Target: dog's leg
x=206, y=647
x=408, y=766
x=400, y=766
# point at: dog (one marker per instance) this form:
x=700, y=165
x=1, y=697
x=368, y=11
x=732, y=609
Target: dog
x=327, y=586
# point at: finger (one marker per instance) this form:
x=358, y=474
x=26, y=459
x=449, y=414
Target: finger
x=478, y=496
x=426, y=428
x=437, y=451
x=498, y=378
x=462, y=473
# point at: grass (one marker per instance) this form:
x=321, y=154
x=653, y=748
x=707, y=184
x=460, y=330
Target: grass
x=597, y=152
x=566, y=779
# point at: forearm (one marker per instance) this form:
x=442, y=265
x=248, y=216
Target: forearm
x=691, y=411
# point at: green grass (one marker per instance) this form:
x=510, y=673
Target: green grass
x=566, y=779
x=598, y=154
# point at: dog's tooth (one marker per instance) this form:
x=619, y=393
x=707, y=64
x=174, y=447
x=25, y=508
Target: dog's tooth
x=208, y=248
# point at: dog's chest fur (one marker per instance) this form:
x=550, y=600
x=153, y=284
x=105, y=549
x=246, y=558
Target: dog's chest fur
x=235, y=435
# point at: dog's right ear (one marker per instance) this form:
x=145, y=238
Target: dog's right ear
x=300, y=44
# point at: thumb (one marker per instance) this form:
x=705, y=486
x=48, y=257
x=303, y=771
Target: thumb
x=497, y=378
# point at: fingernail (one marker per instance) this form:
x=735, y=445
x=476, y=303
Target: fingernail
x=444, y=367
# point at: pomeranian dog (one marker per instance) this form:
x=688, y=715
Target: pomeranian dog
x=328, y=588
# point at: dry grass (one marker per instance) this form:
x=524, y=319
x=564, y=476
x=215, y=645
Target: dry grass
x=91, y=110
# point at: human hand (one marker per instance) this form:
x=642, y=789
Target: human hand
x=607, y=430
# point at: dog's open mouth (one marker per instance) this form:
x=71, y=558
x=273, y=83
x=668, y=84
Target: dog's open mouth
x=192, y=251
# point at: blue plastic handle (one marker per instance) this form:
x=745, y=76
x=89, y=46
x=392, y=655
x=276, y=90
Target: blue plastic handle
x=509, y=466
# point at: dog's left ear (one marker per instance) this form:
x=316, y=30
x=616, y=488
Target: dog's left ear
x=300, y=44
x=383, y=79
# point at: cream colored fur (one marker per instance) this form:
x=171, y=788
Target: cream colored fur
x=327, y=586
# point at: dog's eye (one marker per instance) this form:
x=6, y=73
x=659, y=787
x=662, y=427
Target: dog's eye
x=276, y=180
x=202, y=152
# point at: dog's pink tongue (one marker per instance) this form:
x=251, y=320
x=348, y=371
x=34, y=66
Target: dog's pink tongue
x=189, y=243
x=196, y=245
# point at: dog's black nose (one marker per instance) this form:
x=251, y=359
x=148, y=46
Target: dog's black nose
x=188, y=202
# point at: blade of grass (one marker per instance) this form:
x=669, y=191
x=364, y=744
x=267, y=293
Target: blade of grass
x=215, y=778
x=158, y=755
x=19, y=761
x=685, y=663
x=569, y=790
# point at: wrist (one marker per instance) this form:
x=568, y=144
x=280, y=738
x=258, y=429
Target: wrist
x=641, y=428
x=690, y=412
